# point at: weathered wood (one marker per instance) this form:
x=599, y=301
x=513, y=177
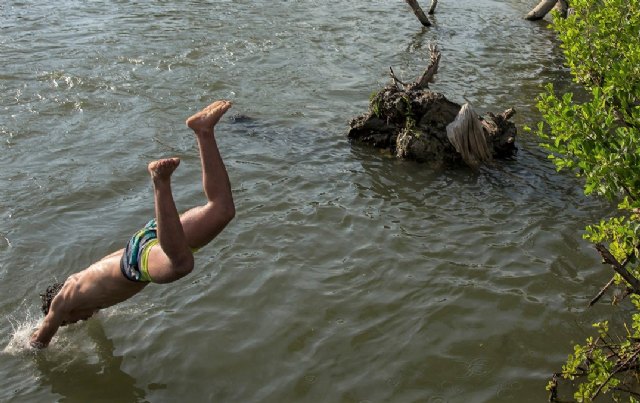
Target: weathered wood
x=417, y=10
x=395, y=79
x=410, y=121
x=432, y=69
x=432, y=9
x=466, y=133
x=541, y=10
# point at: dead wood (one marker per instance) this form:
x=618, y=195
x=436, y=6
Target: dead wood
x=410, y=121
x=619, y=268
x=432, y=9
x=429, y=73
x=545, y=6
x=417, y=10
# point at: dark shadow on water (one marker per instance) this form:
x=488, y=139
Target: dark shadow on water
x=81, y=379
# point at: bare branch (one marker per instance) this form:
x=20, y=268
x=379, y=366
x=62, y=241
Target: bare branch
x=621, y=367
x=432, y=9
x=602, y=291
x=432, y=69
x=419, y=13
x=619, y=268
x=396, y=80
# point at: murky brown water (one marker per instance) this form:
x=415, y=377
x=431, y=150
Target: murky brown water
x=346, y=276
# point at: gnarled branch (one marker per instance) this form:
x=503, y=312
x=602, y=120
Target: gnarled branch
x=432, y=69
x=396, y=80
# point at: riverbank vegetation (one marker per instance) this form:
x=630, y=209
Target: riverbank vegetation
x=599, y=140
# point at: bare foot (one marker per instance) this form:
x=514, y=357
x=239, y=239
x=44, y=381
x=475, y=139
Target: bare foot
x=203, y=121
x=162, y=169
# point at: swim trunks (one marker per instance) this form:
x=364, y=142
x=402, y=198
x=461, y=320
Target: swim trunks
x=134, y=262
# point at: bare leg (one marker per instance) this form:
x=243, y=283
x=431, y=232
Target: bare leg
x=173, y=259
x=202, y=224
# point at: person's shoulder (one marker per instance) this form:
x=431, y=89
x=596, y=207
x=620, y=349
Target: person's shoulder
x=70, y=287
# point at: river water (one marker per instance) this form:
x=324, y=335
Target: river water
x=347, y=276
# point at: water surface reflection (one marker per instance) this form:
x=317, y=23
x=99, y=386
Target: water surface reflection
x=84, y=377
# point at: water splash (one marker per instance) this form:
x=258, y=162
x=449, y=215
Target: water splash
x=72, y=337
x=21, y=333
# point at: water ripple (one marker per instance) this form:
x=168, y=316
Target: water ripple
x=347, y=275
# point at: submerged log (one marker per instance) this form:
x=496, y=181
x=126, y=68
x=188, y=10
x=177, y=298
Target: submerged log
x=545, y=6
x=413, y=122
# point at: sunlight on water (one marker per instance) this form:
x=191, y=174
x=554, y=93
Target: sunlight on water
x=21, y=333
x=69, y=340
x=347, y=275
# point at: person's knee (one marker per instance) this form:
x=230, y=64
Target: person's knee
x=222, y=211
x=229, y=212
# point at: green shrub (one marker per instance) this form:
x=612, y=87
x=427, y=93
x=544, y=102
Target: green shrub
x=598, y=139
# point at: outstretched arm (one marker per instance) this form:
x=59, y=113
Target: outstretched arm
x=42, y=336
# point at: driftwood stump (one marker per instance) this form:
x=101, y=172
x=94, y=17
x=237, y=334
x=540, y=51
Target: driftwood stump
x=411, y=122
